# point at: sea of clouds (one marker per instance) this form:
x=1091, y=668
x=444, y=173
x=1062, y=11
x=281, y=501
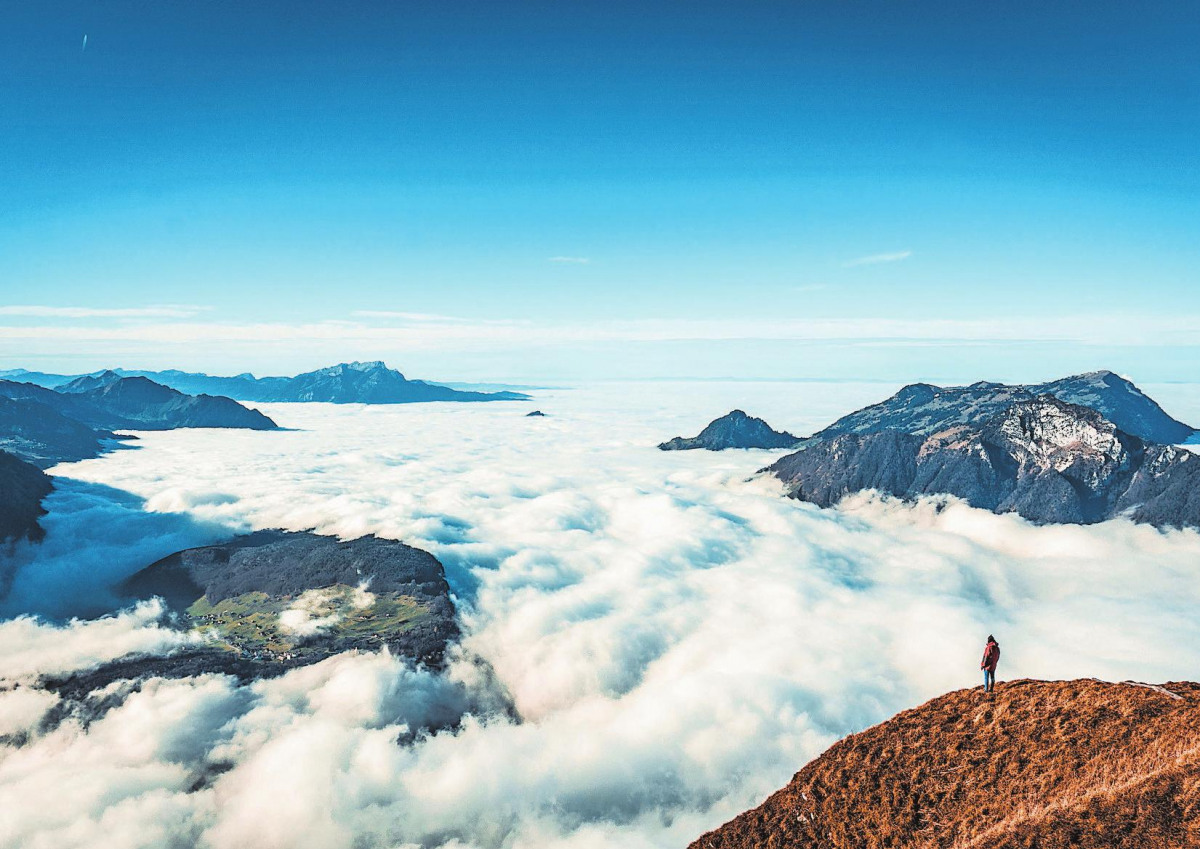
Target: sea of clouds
x=653, y=641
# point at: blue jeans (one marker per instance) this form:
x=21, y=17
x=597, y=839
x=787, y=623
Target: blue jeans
x=989, y=680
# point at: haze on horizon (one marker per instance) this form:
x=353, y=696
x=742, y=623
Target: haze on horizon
x=550, y=192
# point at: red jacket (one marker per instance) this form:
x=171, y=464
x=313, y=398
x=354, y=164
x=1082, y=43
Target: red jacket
x=991, y=656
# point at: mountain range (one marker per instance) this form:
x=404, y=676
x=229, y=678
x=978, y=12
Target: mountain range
x=1036, y=765
x=1042, y=458
x=923, y=409
x=49, y=426
x=346, y=383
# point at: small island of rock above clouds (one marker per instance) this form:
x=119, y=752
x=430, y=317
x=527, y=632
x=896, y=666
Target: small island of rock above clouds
x=733, y=430
x=270, y=601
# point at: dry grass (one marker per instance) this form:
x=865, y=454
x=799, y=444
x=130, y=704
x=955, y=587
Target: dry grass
x=1038, y=764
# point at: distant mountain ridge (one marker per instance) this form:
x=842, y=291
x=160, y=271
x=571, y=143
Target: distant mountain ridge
x=48, y=426
x=735, y=429
x=345, y=383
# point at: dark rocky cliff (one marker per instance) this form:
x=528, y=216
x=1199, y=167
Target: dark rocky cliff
x=22, y=488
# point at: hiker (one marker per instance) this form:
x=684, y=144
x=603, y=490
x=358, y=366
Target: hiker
x=991, y=657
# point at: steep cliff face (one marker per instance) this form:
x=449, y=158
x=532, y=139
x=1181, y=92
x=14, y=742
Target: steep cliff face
x=22, y=488
x=1042, y=458
x=1045, y=764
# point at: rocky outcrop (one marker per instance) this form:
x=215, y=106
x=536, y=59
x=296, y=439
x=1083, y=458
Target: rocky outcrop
x=1042, y=458
x=924, y=409
x=733, y=430
x=1122, y=403
x=1047, y=764
x=22, y=488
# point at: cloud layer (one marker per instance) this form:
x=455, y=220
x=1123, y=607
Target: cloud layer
x=676, y=640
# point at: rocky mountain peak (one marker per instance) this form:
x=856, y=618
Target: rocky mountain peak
x=91, y=382
x=1044, y=427
x=735, y=429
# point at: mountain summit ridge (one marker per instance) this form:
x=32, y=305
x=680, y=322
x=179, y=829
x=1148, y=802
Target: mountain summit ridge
x=1046, y=764
x=924, y=408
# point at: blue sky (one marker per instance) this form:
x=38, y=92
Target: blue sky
x=518, y=191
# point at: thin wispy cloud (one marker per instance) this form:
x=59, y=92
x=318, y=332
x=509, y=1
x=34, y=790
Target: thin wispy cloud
x=159, y=311
x=875, y=259
x=425, y=318
x=570, y=260
x=407, y=316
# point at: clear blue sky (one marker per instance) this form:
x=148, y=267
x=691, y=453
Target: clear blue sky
x=559, y=190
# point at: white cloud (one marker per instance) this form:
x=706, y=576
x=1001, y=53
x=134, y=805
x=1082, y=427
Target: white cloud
x=407, y=316
x=428, y=318
x=875, y=259
x=335, y=337
x=678, y=640
x=41, y=311
x=33, y=648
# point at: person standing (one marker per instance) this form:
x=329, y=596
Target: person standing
x=991, y=657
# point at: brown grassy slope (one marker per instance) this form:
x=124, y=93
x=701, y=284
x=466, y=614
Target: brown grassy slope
x=1039, y=764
